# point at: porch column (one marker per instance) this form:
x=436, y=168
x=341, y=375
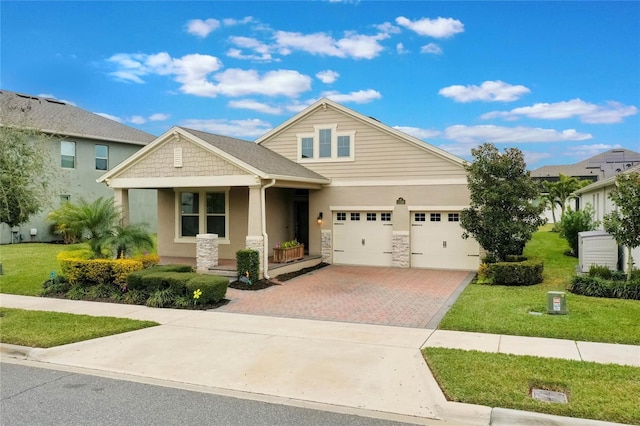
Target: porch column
x=206, y=252
x=254, y=239
x=121, y=199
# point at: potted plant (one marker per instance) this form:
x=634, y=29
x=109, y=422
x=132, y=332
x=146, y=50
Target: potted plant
x=288, y=251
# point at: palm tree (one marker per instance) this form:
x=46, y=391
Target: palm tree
x=125, y=238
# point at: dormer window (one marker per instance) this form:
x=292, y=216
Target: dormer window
x=326, y=144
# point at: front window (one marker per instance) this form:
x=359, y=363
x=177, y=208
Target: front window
x=325, y=143
x=68, y=154
x=189, y=217
x=102, y=157
x=203, y=212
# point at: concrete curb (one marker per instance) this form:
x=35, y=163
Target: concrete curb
x=15, y=351
x=508, y=417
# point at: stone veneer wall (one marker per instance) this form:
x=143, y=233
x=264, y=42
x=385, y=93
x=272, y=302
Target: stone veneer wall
x=326, y=245
x=257, y=243
x=206, y=251
x=401, y=257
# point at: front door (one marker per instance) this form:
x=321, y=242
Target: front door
x=301, y=215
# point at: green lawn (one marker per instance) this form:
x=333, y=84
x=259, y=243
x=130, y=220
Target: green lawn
x=595, y=391
x=26, y=266
x=506, y=310
x=42, y=329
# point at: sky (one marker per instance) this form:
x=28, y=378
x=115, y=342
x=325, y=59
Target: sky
x=558, y=80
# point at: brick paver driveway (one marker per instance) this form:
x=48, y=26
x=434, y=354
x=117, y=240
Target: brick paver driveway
x=361, y=294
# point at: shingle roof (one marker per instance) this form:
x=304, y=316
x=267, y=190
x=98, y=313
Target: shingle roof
x=604, y=165
x=53, y=116
x=256, y=156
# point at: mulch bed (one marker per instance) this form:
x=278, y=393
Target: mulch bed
x=262, y=284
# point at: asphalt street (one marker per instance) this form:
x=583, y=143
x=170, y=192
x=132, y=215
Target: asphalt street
x=38, y=396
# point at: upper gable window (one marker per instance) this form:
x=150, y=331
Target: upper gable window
x=326, y=143
x=68, y=154
x=102, y=157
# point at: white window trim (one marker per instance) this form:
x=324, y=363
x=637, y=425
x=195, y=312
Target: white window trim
x=202, y=214
x=334, y=144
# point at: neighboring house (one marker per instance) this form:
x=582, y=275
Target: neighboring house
x=352, y=189
x=84, y=145
x=597, y=195
x=596, y=168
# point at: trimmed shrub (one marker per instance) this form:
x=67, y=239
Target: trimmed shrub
x=88, y=272
x=528, y=272
x=120, y=268
x=248, y=260
x=148, y=260
x=213, y=288
x=595, y=286
x=135, y=279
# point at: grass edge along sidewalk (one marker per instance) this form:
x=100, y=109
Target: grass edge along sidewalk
x=44, y=329
x=521, y=311
x=605, y=392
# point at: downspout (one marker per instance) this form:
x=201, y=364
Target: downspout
x=265, y=237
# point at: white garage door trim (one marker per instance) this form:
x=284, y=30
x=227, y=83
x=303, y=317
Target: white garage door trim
x=362, y=237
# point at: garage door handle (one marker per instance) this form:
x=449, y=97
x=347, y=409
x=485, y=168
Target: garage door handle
x=444, y=244
x=387, y=252
x=416, y=253
x=363, y=241
x=341, y=251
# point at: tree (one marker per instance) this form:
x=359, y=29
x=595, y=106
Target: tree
x=624, y=223
x=574, y=222
x=501, y=217
x=560, y=191
x=28, y=173
x=101, y=223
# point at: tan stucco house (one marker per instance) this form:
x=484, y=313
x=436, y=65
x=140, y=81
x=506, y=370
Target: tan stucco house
x=353, y=190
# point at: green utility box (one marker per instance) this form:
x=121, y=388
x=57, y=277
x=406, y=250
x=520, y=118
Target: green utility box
x=556, y=303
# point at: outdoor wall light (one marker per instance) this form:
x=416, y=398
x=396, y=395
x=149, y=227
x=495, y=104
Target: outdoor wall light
x=319, y=218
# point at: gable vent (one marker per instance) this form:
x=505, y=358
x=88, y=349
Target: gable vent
x=177, y=157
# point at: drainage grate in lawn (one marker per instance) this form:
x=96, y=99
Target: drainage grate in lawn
x=549, y=396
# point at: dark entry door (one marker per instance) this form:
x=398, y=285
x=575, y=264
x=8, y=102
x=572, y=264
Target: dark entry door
x=302, y=223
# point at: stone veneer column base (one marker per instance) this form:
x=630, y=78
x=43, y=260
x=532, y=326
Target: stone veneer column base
x=401, y=257
x=326, y=246
x=206, y=251
x=257, y=243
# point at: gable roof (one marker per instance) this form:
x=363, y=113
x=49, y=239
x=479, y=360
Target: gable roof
x=57, y=117
x=253, y=158
x=325, y=102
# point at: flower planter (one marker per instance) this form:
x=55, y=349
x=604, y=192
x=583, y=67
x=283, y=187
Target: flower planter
x=284, y=255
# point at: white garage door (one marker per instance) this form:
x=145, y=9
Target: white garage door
x=362, y=238
x=436, y=242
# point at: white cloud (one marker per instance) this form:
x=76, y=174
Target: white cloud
x=250, y=128
x=401, y=49
x=262, y=50
x=237, y=82
x=159, y=117
x=297, y=106
x=388, y=28
x=491, y=91
x=359, y=97
x=137, y=119
x=499, y=134
x=431, y=48
x=327, y=76
x=436, y=28
x=418, y=132
x=533, y=157
x=200, y=28
x=609, y=112
x=255, y=106
x=229, y=22
x=353, y=45
x=109, y=116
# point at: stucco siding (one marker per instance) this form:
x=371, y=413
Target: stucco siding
x=169, y=246
x=377, y=154
x=196, y=161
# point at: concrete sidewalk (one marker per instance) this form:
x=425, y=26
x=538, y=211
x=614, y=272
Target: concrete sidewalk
x=366, y=368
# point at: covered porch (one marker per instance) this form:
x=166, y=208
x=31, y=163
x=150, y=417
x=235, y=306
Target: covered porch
x=234, y=193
